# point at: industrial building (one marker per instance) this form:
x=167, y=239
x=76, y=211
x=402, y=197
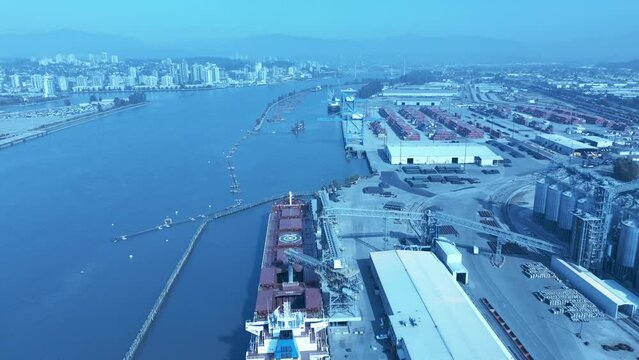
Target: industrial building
x=610, y=300
x=597, y=141
x=431, y=317
x=447, y=153
x=418, y=101
x=563, y=145
x=452, y=258
x=584, y=238
x=431, y=90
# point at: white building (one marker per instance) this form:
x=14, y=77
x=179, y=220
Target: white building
x=47, y=86
x=15, y=81
x=430, y=315
x=115, y=59
x=63, y=83
x=166, y=81
x=261, y=76
x=562, y=144
x=452, y=258
x=133, y=72
x=97, y=80
x=216, y=74
x=597, y=141
x=198, y=73
x=116, y=81
x=612, y=300
x=81, y=81
x=37, y=82
x=409, y=152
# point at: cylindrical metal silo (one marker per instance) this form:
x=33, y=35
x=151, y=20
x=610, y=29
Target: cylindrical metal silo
x=553, y=198
x=541, y=188
x=566, y=207
x=628, y=244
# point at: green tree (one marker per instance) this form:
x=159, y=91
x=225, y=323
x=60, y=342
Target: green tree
x=138, y=97
x=625, y=169
x=370, y=89
x=93, y=98
x=67, y=102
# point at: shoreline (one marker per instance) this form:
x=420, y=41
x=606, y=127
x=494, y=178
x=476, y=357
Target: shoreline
x=64, y=124
x=270, y=107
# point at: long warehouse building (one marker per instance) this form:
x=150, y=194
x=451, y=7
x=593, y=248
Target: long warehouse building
x=405, y=152
x=431, y=317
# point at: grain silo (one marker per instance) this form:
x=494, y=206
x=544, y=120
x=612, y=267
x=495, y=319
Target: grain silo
x=553, y=199
x=566, y=207
x=539, y=207
x=628, y=244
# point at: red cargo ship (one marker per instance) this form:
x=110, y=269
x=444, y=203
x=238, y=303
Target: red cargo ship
x=289, y=321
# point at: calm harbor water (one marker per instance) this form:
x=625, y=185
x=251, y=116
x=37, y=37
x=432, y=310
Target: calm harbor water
x=68, y=292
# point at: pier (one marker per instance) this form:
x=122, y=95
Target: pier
x=167, y=288
x=212, y=216
x=187, y=253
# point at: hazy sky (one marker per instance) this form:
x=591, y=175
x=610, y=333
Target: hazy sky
x=535, y=20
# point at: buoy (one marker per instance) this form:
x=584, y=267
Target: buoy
x=81, y=271
x=112, y=224
x=176, y=212
x=131, y=256
x=167, y=240
x=209, y=206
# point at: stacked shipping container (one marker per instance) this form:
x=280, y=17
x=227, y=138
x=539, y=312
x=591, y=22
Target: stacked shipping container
x=403, y=130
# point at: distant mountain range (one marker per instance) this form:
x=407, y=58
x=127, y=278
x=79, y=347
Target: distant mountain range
x=413, y=48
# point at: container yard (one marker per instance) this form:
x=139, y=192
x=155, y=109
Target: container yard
x=498, y=166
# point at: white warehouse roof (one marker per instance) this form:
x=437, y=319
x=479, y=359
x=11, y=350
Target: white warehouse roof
x=565, y=142
x=598, y=141
x=430, y=314
x=440, y=153
x=596, y=290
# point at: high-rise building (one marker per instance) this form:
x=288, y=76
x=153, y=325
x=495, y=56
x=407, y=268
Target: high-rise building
x=258, y=66
x=216, y=73
x=37, y=82
x=114, y=59
x=175, y=73
x=166, y=81
x=104, y=57
x=133, y=72
x=59, y=58
x=81, y=81
x=97, y=80
x=184, y=72
x=151, y=81
x=131, y=81
x=198, y=73
x=115, y=81
x=47, y=86
x=63, y=84
x=210, y=76
x=15, y=81
x=261, y=76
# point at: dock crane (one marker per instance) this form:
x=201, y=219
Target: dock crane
x=343, y=284
x=430, y=221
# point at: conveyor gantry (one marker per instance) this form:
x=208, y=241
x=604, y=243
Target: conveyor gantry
x=502, y=234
